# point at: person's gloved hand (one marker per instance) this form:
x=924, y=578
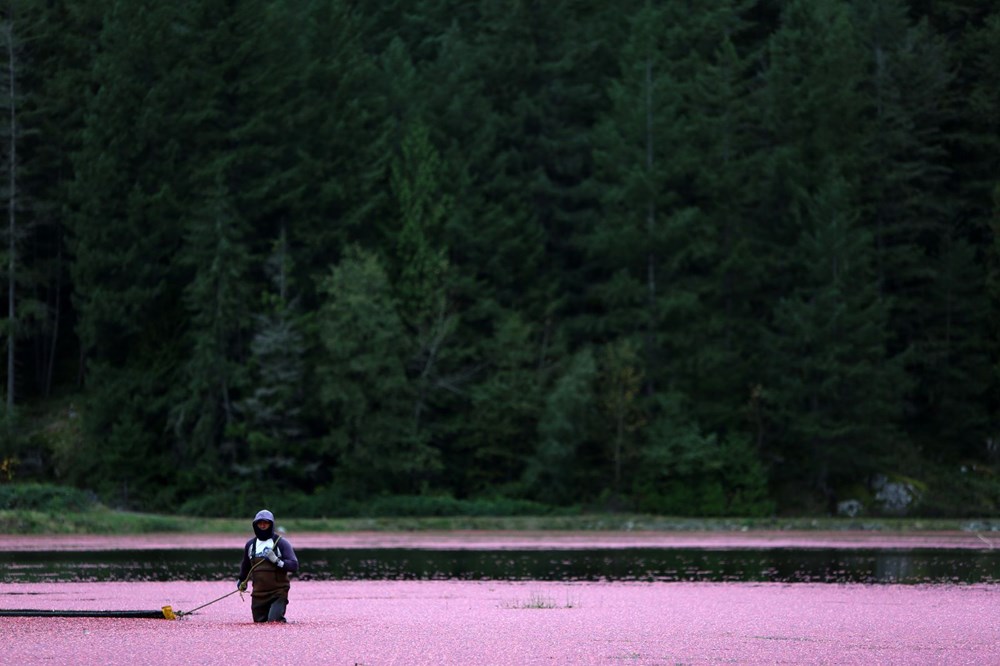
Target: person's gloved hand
x=271, y=555
x=241, y=585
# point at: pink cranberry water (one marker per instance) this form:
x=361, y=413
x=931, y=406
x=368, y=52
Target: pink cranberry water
x=491, y=622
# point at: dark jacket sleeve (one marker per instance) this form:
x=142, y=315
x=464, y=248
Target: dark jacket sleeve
x=287, y=555
x=245, y=566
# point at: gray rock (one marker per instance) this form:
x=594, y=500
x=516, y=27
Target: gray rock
x=851, y=508
x=894, y=497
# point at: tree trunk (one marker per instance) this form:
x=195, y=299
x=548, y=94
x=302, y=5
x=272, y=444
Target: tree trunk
x=55, y=326
x=11, y=215
x=650, y=229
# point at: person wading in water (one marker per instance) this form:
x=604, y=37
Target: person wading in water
x=267, y=561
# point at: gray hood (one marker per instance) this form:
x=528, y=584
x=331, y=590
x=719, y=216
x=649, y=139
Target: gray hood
x=264, y=535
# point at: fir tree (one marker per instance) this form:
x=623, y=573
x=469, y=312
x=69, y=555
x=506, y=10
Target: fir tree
x=368, y=399
x=124, y=236
x=271, y=416
x=836, y=389
x=502, y=417
x=215, y=253
x=560, y=469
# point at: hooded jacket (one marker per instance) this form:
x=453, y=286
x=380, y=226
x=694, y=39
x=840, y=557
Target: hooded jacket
x=269, y=580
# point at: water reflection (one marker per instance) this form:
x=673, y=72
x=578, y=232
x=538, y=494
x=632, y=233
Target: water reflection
x=627, y=564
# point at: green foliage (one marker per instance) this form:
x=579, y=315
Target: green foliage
x=130, y=419
x=966, y=490
x=672, y=259
x=685, y=472
x=369, y=401
x=557, y=468
x=505, y=409
x=693, y=258
x=44, y=497
x=92, y=521
x=423, y=209
x=334, y=129
x=217, y=258
x=620, y=380
x=247, y=501
x=430, y=505
x=267, y=425
x=43, y=441
x=829, y=343
x=954, y=360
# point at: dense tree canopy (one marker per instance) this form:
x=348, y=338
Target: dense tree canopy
x=735, y=257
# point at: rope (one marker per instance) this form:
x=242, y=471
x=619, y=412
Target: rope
x=181, y=613
x=239, y=589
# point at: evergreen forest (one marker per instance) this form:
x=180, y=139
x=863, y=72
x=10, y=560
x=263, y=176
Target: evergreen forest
x=728, y=258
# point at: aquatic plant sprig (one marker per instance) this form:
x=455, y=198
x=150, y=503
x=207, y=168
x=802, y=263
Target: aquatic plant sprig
x=538, y=600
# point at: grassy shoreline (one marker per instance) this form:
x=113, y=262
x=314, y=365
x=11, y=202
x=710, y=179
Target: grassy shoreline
x=106, y=521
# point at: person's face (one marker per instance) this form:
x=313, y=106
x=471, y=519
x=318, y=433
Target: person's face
x=263, y=524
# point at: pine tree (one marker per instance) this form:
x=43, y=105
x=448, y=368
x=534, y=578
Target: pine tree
x=954, y=366
x=537, y=72
x=216, y=300
x=497, y=436
x=684, y=471
x=57, y=83
x=560, y=470
x=812, y=116
x=26, y=253
x=977, y=129
x=235, y=159
x=420, y=260
x=483, y=246
x=240, y=110
x=270, y=419
x=974, y=174
x=733, y=263
x=837, y=392
x=364, y=389
x=621, y=381
x=421, y=272
x=672, y=256
x=907, y=85
x=811, y=105
x=923, y=234
x=641, y=160
x=337, y=184
x=121, y=242
x=992, y=253
x=124, y=236
x=9, y=105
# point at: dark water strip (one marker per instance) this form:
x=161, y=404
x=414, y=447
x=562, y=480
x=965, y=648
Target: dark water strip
x=33, y=612
x=628, y=564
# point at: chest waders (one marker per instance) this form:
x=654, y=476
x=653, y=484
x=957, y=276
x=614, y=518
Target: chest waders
x=270, y=589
